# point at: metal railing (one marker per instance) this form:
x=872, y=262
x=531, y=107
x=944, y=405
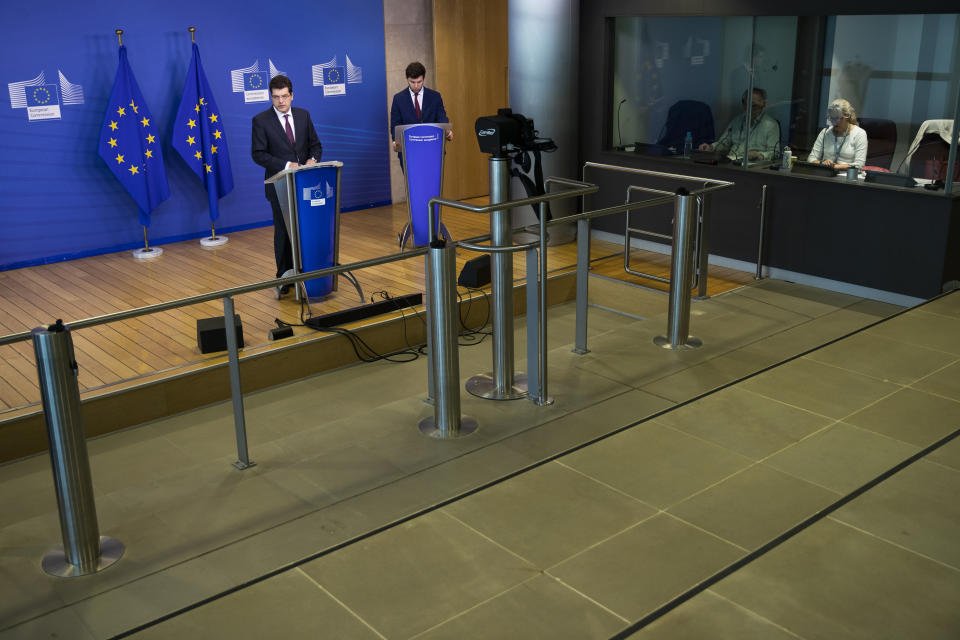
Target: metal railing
x=703, y=218
x=85, y=551
x=446, y=420
x=583, y=243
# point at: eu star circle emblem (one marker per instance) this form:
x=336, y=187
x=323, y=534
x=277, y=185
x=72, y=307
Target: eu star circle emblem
x=41, y=95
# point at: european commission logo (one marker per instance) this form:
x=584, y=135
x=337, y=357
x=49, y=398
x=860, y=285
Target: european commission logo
x=42, y=100
x=317, y=195
x=335, y=78
x=254, y=81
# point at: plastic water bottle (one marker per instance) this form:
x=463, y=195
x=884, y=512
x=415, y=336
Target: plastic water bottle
x=787, y=156
x=688, y=145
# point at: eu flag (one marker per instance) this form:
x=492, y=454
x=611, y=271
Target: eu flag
x=198, y=135
x=129, y=145
x=334, y=75
x=255, y=81
x=42, y=95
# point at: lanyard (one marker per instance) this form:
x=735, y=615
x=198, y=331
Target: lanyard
x=836, y=149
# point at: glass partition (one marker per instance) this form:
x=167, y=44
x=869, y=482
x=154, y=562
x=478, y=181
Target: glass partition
x=742, y=90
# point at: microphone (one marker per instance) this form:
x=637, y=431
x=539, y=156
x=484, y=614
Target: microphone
x=619, y=136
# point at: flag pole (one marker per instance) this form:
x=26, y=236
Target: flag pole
x=213, y=240
x=146, y=252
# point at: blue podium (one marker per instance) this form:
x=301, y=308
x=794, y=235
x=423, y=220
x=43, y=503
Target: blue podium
x=421, y=146
x=310, y=202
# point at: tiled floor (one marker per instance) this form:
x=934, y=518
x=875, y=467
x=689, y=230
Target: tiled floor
x=633, y=505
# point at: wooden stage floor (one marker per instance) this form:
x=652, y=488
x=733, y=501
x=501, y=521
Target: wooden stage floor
x=146, y=348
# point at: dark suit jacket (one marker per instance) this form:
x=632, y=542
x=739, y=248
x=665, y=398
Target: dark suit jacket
x=271, y=149
x=402, y=111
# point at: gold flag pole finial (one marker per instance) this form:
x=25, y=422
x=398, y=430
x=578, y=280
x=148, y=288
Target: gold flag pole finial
x=193, y=31
x=119, y=33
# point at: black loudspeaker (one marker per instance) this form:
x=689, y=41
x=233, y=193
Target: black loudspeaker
x=476, y=273
x=212, y=334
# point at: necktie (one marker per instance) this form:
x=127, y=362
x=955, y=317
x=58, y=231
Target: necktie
x=416, y=105
x=286, y=119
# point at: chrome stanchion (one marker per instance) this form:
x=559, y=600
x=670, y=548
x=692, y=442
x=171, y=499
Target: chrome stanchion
x=502, y=383
x=703, y=247
x=84, y=550
x=763, y=217
x=236, y=391
x=537, y=317
x=681, y=274
x=583, y=290
x=446, y=421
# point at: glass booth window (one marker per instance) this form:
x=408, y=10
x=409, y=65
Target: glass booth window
x=743, y=90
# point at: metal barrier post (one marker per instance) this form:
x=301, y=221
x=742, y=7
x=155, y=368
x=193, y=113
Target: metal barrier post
x=537, y=306
x=236, y=391
x=703, y=247
x=502, y=383
x=583, y=291
x=681, y=270
x=444, y=356
x=534, y=383
x=84, y=550
x=763, y=216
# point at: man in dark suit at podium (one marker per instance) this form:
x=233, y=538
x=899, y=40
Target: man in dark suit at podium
x=416, y=104
x=283, y=137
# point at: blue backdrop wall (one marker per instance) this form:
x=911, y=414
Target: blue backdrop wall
x=58, y=200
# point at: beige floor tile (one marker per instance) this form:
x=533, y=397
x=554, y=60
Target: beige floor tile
x=419, y=574
x=63, y=623
x=754, y=506
x=920, y=327
x=832, y=581
x=916, y=508
x=948, y=454
x=910, y=416
x=656, y=464
x=948, y=305
x=644, y=567
x=745, y=422
x=289, y=605
x=549, y=514
x=584, y=425
x=841, y=458
x=707, y=615
x=806, y=300
x=539, y=608
x=882, y=358
x=945, y=382
x=813, y=386
x=708, y=376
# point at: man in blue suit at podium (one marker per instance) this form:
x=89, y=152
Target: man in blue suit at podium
x=416, y=104
x=283, y=137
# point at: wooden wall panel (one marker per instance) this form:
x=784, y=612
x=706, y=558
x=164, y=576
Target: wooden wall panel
x=470, y=45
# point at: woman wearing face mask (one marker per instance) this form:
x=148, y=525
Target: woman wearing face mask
x=842, y=144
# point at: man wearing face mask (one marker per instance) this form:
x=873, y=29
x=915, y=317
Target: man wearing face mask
x=764, y=132
x=842, y=144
